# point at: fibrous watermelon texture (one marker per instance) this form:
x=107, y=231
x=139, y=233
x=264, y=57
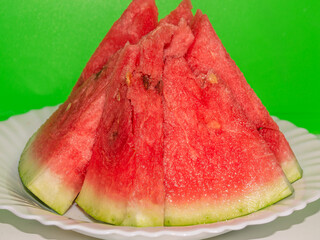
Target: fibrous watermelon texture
x=53, y=164
x=208, y=54
x=216, y=164
x=124, y=183
x=54, y=161
x=159, y=136
x=138, y=19
x=108, y=180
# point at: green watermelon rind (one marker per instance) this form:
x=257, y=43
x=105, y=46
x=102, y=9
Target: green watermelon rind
x=204, y=212
x=42, y=182
x=100, y=207
x=115, y=212
x=292, y=170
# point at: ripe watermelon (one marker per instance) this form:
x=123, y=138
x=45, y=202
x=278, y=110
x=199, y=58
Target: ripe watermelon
x=208, y=54
x=109, y=175
x=146, y=200
x=216, y=164
x=159, y=135
x=124, y=185
x=124, y=182
x=137, y=20
x=54, y=162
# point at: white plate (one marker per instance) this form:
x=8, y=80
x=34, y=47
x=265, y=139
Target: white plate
x=15, y=132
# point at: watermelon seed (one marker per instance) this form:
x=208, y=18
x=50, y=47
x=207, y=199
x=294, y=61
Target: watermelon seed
x=98, y=74
x=214, y=124
x=213, y=55
x=212, y=78
x=158, y=87
x=114, y=135
x=128, y=78
x=68, y=107
x=118, y=97
x=146, y=81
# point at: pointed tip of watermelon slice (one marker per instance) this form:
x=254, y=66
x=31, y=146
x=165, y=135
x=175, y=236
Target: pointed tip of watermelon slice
x=182, y=11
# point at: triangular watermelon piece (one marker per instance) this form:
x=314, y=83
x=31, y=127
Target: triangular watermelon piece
x=208, y=54
x=109, y=177
x=107, y=194
x=158, y=135
x=146, y=201
x=216, y=164
x=58, y=154
x=53, y=164
x=124, y=182
x=137, y=20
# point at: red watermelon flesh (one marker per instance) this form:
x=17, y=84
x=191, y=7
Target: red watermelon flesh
x=146, y=202
x=109, y=177
x=182, y=11
x=216, y=164
x=181, y=41
x=138, y=19
x=172, y=144
x=53, y=164
x=208, y=54
x=274, y=139
x=124, y=182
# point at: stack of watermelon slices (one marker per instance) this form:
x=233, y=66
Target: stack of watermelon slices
x=161, y=129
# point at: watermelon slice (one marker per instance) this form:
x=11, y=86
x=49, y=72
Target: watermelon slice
x=60, y=150
x=216, y=164
x=208, y=54
x=159, y=135
x=137, y=20
x=109, y=175
x=124, y=182
x=54, y=161
x=146, y=201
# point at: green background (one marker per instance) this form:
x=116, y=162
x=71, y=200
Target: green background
x=44, y=45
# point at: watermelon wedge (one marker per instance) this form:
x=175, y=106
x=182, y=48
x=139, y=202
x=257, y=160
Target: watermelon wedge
x=146, y=201
x=124, y=182
x=60, y=150
x=109, y=175
x=137, y=20
x=208, y=54
x=160, y=129
x=216, y=165
x=53, y=163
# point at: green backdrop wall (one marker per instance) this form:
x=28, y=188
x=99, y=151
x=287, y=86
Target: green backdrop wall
x=44, y=44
